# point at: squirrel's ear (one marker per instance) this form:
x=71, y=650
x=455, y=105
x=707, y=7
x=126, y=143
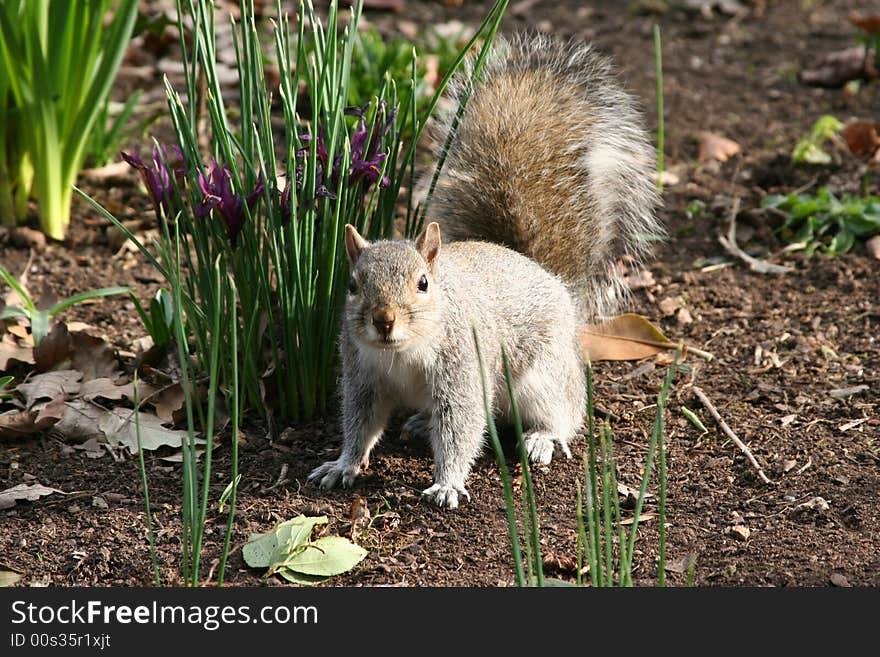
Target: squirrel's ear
x=354, y=243
x=428, y=243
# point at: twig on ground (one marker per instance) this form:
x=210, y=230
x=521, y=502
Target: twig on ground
x=282, y=479
x=730, y=245
x=729, y=432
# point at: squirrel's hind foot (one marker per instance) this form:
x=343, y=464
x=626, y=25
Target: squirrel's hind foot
x=330, y=473
x=540, y=446
x=444, y=495
x=418, y=426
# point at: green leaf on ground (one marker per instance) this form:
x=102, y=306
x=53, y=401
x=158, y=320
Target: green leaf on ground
x=328, y=556
x=288, y=551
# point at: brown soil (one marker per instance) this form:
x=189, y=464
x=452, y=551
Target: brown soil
x=780, y=345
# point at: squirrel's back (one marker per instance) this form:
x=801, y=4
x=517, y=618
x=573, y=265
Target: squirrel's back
x=550, y=158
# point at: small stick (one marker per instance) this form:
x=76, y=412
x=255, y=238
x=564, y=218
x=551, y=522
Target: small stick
x=729, y=432
x=282, y=479
x=730, y=245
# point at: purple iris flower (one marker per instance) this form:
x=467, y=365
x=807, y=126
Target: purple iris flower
x=365, y=163
x=157, y=176
x=219, y=195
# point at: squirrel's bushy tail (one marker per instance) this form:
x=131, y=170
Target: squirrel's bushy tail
x=550, y=158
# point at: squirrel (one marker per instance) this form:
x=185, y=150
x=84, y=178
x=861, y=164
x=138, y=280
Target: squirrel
x=549, y=179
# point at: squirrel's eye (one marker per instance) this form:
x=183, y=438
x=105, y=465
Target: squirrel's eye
x=352, y=285
x=423, y=283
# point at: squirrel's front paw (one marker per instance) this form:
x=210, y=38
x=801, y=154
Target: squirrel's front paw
x=329, y=474
x=445, y=495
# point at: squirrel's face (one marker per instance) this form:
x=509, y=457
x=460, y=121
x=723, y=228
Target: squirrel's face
x=392, y=296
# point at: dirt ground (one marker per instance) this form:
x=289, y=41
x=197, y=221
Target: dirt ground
x=781, y=344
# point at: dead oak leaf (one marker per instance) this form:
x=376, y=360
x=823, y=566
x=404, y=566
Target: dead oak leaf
x=59, y=384
x=715, y=147
x=120, y=427
x=77, y=350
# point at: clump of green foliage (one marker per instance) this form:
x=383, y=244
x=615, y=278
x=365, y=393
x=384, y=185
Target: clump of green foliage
x=58, y=60
x=824, y=222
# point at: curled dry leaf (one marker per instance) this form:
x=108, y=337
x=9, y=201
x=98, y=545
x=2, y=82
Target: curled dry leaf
x=76, y=350
x=358, y=509
x=170, y=403
x=18, y=424
x=716, y=147
x=862, y=138
x=625, y=337
x=870, y=24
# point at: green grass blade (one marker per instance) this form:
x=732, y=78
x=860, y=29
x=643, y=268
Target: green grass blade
x=528, y=485
x=143, y=470
x=513, y=533
x=86, y=296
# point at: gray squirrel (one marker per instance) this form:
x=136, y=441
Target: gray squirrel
x=548, y=181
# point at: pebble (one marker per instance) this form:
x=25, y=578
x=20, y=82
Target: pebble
x=839, y=580
x=740, y=532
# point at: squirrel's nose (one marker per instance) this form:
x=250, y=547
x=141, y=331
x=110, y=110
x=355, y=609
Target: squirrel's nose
x=383, y=320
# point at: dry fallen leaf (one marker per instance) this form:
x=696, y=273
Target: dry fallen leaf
x=79, y=421
x=740, y=532
x=119, y=427
x=13, y=351
x=861, y=137
x=105, y=388
x=76, y=350
x=60, y=384
x=716, y=147
x=625, y=337
x=170, y=403
x=29, y=492
x=870, y=24
x=358, y=509
x=18, y=424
